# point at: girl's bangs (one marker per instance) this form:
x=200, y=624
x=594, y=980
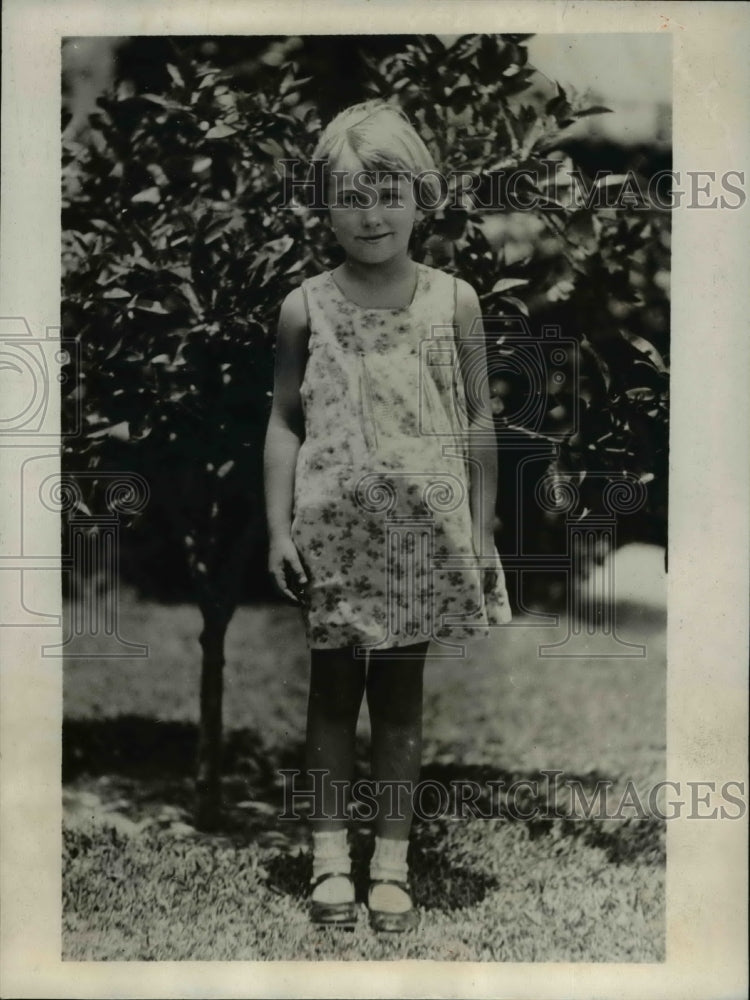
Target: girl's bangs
x=380, y=162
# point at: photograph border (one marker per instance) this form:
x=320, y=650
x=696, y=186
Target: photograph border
x=708, y=531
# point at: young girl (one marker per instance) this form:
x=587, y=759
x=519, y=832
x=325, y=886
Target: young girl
x=381, y=473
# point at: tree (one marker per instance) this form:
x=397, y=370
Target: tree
x=178, y=247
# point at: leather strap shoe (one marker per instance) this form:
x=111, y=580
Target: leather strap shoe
x=387, y=921
x=332, y=914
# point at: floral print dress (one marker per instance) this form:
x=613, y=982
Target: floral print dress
x=381, y=515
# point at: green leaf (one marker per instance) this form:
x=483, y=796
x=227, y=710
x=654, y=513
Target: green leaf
x=121, y=432
x=201, y=163
x=114, y=350
x=560, y=291
x=164, y=102
x=188, y=291
x=602, y=367
x=216, y=229
x=559, y=105
x=220, y=131
x=151, y=306
x=180, y=271
x=289, y=85
x=647, y=348
x=505, y=284
x=271, y=148
x=175, y=74
x=151, y=195
x=641, y=393
x=274, y=249
x=597, y=109
x=516, y=303
x=296, y=266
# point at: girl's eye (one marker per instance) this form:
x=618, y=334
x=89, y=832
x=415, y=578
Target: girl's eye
x=354, y=199
x=351, y=200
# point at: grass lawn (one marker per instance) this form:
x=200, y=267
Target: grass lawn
x=139, y=882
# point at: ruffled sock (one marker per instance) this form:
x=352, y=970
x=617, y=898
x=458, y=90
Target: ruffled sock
x=331, y=854
x=389, y=862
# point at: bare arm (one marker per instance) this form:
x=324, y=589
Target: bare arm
x=482, y=442
x=284, y=436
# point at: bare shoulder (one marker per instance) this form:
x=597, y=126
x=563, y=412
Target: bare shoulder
x=468, y=309
x=293, y=331
x=466, y=296
x=293, y=313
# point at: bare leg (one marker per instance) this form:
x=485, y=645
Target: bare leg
x=337, y=683
x=394, y=698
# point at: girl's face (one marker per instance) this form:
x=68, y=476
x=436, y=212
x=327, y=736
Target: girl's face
x=372, y=216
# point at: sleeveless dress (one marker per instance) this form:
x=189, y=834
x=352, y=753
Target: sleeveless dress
x=381, y=515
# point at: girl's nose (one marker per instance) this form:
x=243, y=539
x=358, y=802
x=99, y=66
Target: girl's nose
x=371, y=215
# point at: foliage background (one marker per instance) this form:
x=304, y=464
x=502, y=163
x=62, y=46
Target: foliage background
x=177, y=251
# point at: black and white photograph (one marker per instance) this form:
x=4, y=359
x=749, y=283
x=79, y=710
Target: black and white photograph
x=360, y=428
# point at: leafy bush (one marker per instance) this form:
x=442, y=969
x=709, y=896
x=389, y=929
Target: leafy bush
x=178, y=249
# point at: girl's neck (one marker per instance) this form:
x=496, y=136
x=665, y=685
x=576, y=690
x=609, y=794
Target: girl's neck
x=390, y=285
x=376, y=276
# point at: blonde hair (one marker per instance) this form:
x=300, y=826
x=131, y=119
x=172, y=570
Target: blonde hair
x=381, y=136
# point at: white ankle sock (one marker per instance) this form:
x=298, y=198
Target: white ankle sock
x=389, y=862
x=331, y=854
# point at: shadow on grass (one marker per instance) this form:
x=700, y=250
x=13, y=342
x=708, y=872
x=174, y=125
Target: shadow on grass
x=625, y=840
x=146, y=769
x=148, y=766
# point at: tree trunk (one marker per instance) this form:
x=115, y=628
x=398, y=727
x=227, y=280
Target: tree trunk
x=217, y=555
x=208, y=779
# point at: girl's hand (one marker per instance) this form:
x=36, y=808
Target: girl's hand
x=286, y=569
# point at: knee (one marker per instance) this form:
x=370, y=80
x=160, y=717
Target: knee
x=399, y=707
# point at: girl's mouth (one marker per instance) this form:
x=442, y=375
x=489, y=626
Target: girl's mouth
x=373, y=239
